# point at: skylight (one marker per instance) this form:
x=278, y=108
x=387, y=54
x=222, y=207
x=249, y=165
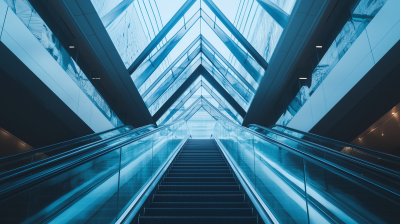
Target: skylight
x=164, y=43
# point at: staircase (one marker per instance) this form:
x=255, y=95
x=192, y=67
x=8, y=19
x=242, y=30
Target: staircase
x=199, y=187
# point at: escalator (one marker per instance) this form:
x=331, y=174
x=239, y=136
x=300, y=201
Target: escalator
x=199, y=187
x=32, y=156
x=239, y=176
x=287, y=135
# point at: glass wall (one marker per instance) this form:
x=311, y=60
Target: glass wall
x=49, y=40
x=348, y=25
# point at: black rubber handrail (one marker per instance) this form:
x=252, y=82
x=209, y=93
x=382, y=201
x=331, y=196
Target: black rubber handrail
x=395, y=173
x=30, y=167
x=67, y=162
x=381, y=154
x=60, y=144
x=324, y=163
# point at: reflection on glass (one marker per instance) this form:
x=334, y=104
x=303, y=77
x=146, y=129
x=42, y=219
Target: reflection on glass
x=361, y=15
x=27, y=14
x=297, y=188
x=100, y=187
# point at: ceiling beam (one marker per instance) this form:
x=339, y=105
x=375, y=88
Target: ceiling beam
x=165, y=30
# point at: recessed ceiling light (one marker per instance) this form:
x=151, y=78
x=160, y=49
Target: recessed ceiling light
x=393, y=113
x=319, y=46
x=302, y=78
x=71, y=46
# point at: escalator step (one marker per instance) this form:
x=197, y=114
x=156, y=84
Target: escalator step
x=198, y=212
x=197, y=220
x=198, y=187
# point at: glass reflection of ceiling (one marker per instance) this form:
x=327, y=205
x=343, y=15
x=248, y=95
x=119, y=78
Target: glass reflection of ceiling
x=133, y=25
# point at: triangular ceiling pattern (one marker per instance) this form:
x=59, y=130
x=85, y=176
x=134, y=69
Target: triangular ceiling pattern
x=202, y=34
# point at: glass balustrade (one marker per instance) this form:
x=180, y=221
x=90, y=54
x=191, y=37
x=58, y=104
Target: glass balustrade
x=296, y=187
x=93, y=187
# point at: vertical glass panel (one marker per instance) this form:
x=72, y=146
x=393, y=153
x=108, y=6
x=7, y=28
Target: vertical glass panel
x=355, y=22
x=201, y=125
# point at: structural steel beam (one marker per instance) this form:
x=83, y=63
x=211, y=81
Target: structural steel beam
x=196, y=73
x=233, y=82
x=181, y=103
x=236, y=34
x=200, y=70
x=221, y=102
x=208, y=44
x=280, y=16
x=171, y=67
x=143, y=72
x=224, y=83
x=172, y=22
x=115, y=12
x=244, y=59
x=174, y=76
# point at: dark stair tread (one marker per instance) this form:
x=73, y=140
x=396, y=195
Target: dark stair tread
x=198, y=212
x=197, y=219
x=200, y=204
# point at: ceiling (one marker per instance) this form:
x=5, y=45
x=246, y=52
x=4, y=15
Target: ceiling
x=204, y=54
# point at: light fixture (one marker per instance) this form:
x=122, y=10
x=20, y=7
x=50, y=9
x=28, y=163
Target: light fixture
x=95, y=78
x=393, y=113
x=302, y=78
x=71, y=46
x=318, y=46
x=382, y=134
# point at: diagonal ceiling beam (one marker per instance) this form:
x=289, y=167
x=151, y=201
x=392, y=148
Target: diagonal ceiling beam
x=206, y=105
x=171, y=23
x=143, y=72
x=171, y=67
x=195, y=106
x=115, y=12
x=221, y=102
x=181, y=103
x=252, y=67
x=236, y=34
x=196, y=73
x=233, y=82
x=174, y=76
x=240, y=76
x=200, y=70
x=280, y=16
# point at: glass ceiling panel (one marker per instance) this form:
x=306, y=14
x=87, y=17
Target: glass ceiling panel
x=225, y=84
x=175, y=52
x=174, y=70
x=171, y=90
x=133, y=24
x=201, y=124
x=247, y=15
x=174, y=108
x=224, y=106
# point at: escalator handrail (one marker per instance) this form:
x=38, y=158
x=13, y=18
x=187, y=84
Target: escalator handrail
x=320, y=161
x=63, y=165
x=329, y=150
x=60, y=144
x=30, y=166
x=381, y=154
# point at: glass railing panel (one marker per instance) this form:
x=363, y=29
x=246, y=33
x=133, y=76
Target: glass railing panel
x=95, y=187
x=369, y=155
x=390, y=179
x=18, y=160
x=136, y=169
x=297, y=188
